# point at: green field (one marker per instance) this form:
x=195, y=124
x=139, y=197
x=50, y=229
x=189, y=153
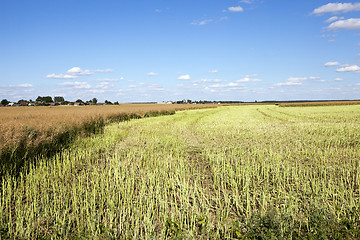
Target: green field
x=257, y=172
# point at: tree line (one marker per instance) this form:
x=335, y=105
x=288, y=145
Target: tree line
x=49, y=101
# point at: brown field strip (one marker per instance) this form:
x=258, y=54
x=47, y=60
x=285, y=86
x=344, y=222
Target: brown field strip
x=309, y=104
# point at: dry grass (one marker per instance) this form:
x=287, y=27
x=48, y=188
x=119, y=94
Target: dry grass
x=330, y=103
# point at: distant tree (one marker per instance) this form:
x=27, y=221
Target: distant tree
x=108, y=102
x=116, y=103
x=59, y=99
x=23, y=102
x=79, y=101
x=94, y=101
x=46, y=99
x=5, y=102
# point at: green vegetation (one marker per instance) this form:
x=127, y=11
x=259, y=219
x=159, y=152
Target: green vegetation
x=246, y=172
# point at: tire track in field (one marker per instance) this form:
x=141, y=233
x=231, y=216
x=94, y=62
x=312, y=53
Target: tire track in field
x=271, y=116
x=195, y=151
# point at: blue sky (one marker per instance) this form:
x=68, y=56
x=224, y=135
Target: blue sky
x=159, y=50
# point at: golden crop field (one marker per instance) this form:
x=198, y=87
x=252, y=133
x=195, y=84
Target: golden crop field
x=324, y=103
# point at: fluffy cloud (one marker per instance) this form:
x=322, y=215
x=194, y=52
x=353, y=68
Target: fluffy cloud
x=352, y=68
x=249, y=79
x=333, y=19
x=23, y=85
x=349, y=24
x=213, y=71
x=217, y=80
x=61, y=76
x=292, y=81
x=78, y=85
x=236, y=9
x=339, y=79
x=184, y=77
x=109, y=80
x=152, y=74
x=331, y=64
x=75, y=72
x=337, y=8
x=232, y=86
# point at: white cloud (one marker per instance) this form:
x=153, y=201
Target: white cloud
x=152, y=74
x=184, y=77
x=236, y=9
x=349, y=24
x=79, y=85
x=213, y=71
x=217, y=80
x=337, y=8
x=314, y=78
x=339, y=79
x=109, y=80
x=61, y=76
x=289, y=84
x=246, y=1
x=352, y=68
x=292, y=81
x=296, y=79
x=331, y=64
x=75, y=72
x=232, y=86
x=334, y=18
x=249, y=79
x=200, y=23
x=25, y=85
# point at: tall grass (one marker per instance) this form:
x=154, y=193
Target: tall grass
x=256, y=172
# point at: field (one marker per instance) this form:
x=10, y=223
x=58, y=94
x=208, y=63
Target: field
x=232, y=172
x=28, y=131
x=322, y=103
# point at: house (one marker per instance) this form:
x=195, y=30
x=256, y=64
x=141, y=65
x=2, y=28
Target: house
x=79, y=104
